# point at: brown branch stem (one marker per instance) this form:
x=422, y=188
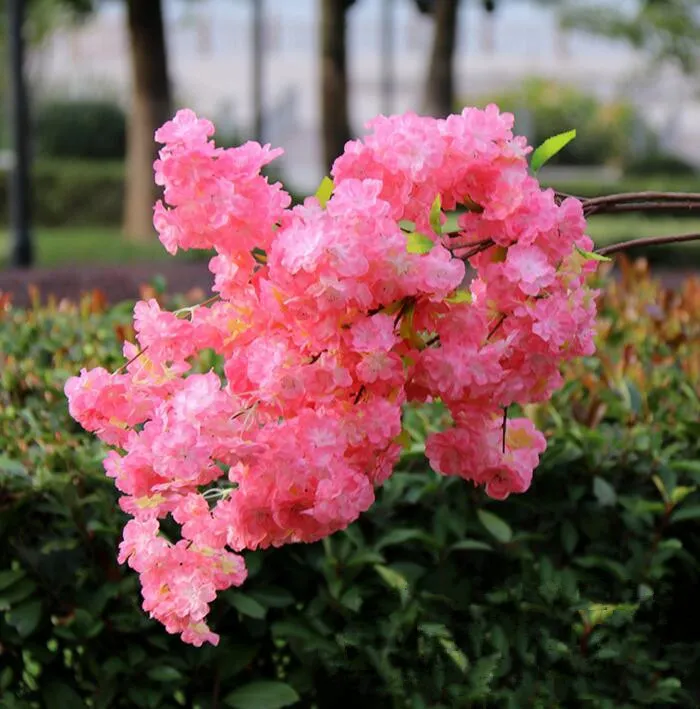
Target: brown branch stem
x=642, y=197
x=647, y=241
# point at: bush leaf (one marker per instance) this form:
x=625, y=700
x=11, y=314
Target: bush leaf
x=246, y=605
x=604, y=492
x=550, y=148
x=495, y=526
x=262, y=695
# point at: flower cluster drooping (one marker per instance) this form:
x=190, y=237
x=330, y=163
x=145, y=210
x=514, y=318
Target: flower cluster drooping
x=332, y=316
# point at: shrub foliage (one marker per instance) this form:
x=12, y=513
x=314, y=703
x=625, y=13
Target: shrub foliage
x=579, y=593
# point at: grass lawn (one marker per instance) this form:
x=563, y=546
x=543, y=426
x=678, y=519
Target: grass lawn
x=96, y=245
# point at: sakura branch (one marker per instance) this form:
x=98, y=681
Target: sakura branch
x=321, y=325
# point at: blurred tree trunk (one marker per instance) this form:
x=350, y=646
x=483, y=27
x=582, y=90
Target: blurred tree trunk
x=334, y=84
x=150, y=108
x=438, y=95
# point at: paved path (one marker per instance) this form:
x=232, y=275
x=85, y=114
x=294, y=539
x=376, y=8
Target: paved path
x=124, y=282
x=116, y=282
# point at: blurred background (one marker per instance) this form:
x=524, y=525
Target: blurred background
x=307, y=75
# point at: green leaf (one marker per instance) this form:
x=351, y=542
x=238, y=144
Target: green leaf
x=550, y=148
x=455, y=654
x=591, y=255
x=680, y=493
x=25, y=617
x=471, y=545
x=60, y=696
x=364, y=557
x=569, y=536
x=661, y=488
x=417, y=243
x=461, y=295
x=246, y=605
x=435, y=212
x=324, y=191
x=16, y=593
x=10, y=468
x=495, y=526
x=400, y=536
x=262, y=695
x=273, y=597
x=7, y=578
x=686, y=513
x=165, y=674
x=604, y=492
x=393, y=579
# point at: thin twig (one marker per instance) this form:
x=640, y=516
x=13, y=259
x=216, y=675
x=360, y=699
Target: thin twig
x=647, y=241
x=504, y=426
x=642, y=207
x=132, y=360
x=641, y=197
x=498, y=324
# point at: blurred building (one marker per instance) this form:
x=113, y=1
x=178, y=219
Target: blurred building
x=209, y=44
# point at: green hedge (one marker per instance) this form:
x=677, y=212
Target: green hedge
x=579, y=593
x=72, y=193
x=84, y=130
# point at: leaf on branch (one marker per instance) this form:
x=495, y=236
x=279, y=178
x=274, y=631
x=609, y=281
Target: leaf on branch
x=550, y=148
x=495, y=526
x=324, y=191
x=591, y=255
x=461, y=295
x=417, y=243
x=435, y=213
x=262, y=695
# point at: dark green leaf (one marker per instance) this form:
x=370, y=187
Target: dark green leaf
x=246, y=605
x=495, y=526
x=604, y=492
x=164, y=673
x=471, y=545
x=60, y=696
x=8, y=578
x=262, y=695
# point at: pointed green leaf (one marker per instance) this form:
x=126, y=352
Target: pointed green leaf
x=495, y=526
x=550, y=148
x=591, y=255
x=393, y=579
x=324, y=191
x=246, y=605
x=435, y=212
x=25, y=617
x=686, y=513
x=604, y=492
x=57, y=695
x=471, y=545
x=262, y=695
x=7, y=578
x=417, y=243
x=461, y=295
x=165, y=674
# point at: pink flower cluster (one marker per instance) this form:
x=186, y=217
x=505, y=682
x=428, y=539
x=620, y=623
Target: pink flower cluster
x=331, y=317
